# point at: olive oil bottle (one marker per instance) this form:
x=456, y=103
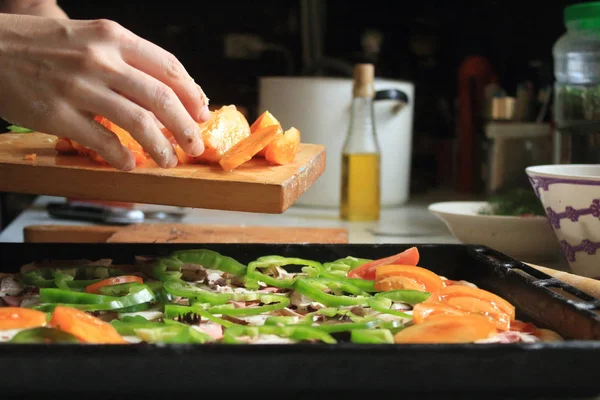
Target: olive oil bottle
x=361, y=155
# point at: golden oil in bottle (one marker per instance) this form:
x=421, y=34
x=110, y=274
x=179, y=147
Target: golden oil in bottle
x=360, y=187
x=361, y=156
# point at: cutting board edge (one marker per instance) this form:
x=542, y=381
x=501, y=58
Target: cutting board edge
x=274, y=195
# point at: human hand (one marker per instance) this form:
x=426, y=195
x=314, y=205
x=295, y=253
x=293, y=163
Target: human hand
x=57, y=74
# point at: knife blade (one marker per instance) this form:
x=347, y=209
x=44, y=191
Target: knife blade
x=109, y=215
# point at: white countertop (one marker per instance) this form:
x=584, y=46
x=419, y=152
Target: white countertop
x=410, y=223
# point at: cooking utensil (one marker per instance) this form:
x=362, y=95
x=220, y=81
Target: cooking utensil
x=254, y=187
x=320, y=109
x=109, y=215
x=182, y=233
x=556, y=370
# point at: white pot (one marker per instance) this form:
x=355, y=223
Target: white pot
x=320, y=109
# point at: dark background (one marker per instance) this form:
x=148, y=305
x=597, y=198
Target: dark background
x=517, y=38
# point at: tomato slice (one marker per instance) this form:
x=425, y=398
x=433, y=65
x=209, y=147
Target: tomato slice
x=426, y=280
x=367, y=270
x=450, y=293
x=84, y=326
x=117, y=280
x=21, y=318
x=447, y=329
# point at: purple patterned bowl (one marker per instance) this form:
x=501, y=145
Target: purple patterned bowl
x=570, y=195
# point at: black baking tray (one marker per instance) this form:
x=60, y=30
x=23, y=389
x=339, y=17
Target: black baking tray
x=548, y=370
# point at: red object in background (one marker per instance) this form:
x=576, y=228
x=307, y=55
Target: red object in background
x=474, y=74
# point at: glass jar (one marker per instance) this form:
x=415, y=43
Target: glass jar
x=577, y=86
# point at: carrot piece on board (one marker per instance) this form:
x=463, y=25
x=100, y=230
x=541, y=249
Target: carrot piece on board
x=247, y=148
x=21, y=318
x=265, y=119
x=84, y=326
x=282, y=150
x=64, y=146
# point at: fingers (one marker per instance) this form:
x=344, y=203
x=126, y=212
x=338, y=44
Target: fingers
x=163, y=102
x=164, y=66
x=91, y=134
x=134, y=119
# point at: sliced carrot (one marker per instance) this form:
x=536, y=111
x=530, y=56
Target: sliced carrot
x=21, y=318
x=84, y=326
x=367, y=270
x=428, y=280
x=447, y=329
x=282, y=150
x=31, y=157
x=117, y=280
x=265, y=119
x=247, y=148
x=449, y=293
x=428, y=308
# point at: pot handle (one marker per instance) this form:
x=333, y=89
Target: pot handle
x=392, y=94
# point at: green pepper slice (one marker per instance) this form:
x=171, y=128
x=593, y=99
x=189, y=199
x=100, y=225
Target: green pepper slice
x=314, y=288
x=43, y=335
x=210, y=259
x=173, y=334
x=93, y=302
x=271, y=303
x=173, y=311
x=126, y=326
x=177, y=287
x=294, y=332
x=166, y=268
x=288, y=320
x=407, y=296
x=310, y=268
x=382, y=306
x=345, y=264
x=346, y=326
x=371, y=336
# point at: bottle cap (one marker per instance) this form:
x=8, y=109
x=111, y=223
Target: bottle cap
x=364, y=75
x=583, y=15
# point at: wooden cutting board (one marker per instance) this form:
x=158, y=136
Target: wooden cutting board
x=182, y=233
x=253, y=187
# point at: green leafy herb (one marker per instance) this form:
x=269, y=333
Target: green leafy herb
x=514, y=203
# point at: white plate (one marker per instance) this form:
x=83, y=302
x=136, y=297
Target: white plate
x=529, y=239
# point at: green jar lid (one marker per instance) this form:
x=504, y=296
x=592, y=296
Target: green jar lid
x=583, y=15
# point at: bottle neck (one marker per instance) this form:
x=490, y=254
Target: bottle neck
x=362, y=137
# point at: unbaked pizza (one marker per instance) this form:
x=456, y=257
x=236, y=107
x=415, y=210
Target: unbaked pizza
x=200, y=296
